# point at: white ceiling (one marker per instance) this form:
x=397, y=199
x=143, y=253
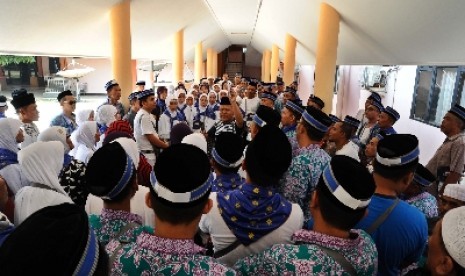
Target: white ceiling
x=371, y=32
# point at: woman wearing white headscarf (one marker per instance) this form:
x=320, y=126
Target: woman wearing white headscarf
x=87, y=135
x=41, y=163
x=10, y=171
x=106, y=114
x=72, y=175
x=82, y=116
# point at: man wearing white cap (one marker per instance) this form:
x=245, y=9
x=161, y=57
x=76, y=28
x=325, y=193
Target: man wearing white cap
x=453, y=197
x=446, y=252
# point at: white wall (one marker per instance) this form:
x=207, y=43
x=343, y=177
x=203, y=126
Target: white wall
x=430, y=137
x=96, y=80
x=306, y=82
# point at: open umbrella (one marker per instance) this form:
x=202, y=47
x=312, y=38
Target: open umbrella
x=75, y=70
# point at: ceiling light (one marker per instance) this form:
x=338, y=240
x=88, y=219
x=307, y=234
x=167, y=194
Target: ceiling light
x=233, y=33
x=244, y=50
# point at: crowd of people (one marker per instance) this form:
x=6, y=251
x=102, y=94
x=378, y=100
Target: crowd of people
x=242, y=178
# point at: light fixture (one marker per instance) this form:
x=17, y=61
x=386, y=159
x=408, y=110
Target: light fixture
x=244, y=50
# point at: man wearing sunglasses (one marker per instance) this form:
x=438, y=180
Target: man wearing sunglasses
x=67, y=118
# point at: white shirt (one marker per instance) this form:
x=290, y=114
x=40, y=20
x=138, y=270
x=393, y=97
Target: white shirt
x=30, y=132
x=164, y=125
x=249, y=106
x=144, y=123
x=222, y=236
x=350, y=149
x=190, y=113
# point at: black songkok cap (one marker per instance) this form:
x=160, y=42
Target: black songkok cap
x=21, y=98
x=348, y=182
x=423, y=176
x=397, y=152
x=225, y=101
x=269, y=154
x=317, y=100
x=181, y=189
x=64, y=94
x=55, y=240
x=178, y=132
x=109, y=171
x=266, y=116
x=228, y=150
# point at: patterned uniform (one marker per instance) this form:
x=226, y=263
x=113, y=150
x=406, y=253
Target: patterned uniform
x=426, y=203
x=152, y=255
x=72, y=179
x=227, y=182
x=291, y=136
x=307, y=257
x=303, y=175
x=108, y=225
x=31, y=132
x=63, y=121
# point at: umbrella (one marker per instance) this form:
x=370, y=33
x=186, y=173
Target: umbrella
x=75, y=71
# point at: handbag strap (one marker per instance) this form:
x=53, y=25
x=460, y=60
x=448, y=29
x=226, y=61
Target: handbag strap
x=340, y=259
x=382, y=218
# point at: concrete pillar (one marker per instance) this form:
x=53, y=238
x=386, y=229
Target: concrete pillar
x=215, y=64
x=120, y=36
x=267, y=61
x=198, y=62
x=263, y=67
x=209, y=62
x=204, y=69
x=274, y=62
x=289, y=59
x=326, y=54
x=178, y=57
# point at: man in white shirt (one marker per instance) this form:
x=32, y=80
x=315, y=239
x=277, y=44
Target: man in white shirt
x=340, y=133
x=250, y=103
x=144, y=127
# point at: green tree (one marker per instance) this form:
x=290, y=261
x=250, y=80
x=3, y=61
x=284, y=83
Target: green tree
x=5, y=60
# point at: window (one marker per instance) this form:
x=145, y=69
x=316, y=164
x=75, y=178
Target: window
x=436, y=89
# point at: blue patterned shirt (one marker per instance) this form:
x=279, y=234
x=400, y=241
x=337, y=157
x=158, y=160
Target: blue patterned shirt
x=303, y=175
x=152, y=255
x=426, y=203
x=291, y=136
x=68, y=123
x=307, y=257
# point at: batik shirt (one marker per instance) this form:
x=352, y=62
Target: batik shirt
x=302, y=177
x=307, y=258
x=291, y=136
x=152, y=255
x=72, y=179
x=30, y=134
x=227, y=182
x=108, y=225
x=426, y=203
x=63, y=121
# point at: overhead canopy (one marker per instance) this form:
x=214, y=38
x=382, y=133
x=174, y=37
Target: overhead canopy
x=371, y=32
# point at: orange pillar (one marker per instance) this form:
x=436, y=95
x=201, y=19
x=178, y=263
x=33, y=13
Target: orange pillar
x=209, y=62
x=134, y=71
x=274, y=62
x=120, y=36
x=263, y=67
x=326, y=54
x=215, y=64
x=198, y=62
x=204, y=69
x=178, y=57
x=267, y=61
x=289, y=59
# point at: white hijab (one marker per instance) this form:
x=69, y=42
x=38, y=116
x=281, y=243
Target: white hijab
x=85, y=141
x=9, y=128
x=83, y=116
x=106, y=114
x=41, y=162
x=54, y=133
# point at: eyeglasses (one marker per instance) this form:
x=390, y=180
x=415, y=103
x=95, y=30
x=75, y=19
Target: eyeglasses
x=71, y=102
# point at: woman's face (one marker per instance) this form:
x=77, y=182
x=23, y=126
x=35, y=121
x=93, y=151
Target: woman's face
x=203, y=102
x=97, y=136
x=70, y=143
x=212, y=99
